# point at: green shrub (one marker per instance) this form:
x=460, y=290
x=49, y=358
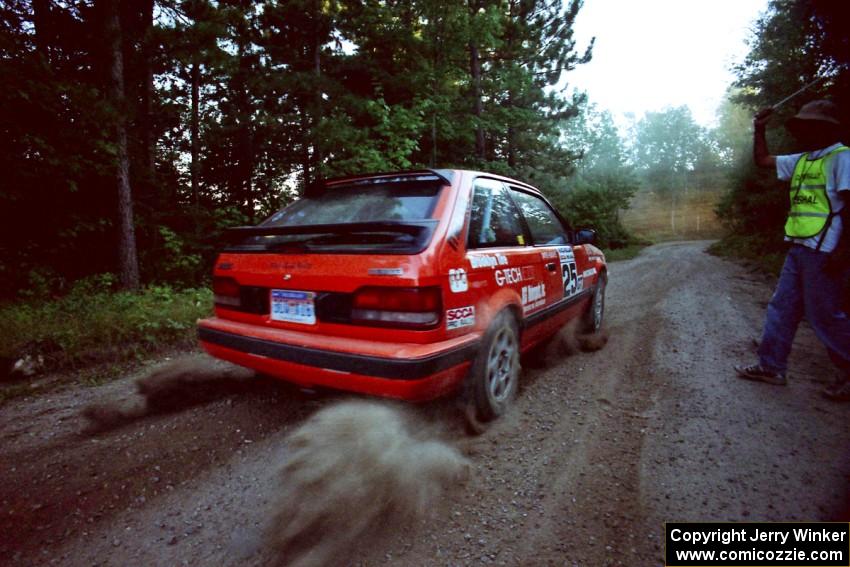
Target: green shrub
x=595, y=202
x=626, y=253
x=95, y=324
x=177, y=264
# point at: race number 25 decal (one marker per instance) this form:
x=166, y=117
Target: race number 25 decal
x=569, y=276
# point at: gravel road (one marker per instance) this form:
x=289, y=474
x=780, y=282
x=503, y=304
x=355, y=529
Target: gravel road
x=601, y=448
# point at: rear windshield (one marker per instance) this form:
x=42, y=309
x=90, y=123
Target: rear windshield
x=387, y=215
x=402, y=200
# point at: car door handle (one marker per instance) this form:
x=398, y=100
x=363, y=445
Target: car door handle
x=551, y=266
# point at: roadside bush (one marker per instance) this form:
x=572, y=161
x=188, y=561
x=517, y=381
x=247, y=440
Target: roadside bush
x=595, y=202
x=754, y=211
x=93, y=323
x=177, y=263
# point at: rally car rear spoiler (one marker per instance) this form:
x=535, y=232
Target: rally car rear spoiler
x=444, y=176
x=413, y=228
x=419, y=231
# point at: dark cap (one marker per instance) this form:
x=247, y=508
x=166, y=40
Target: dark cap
x=818, y=111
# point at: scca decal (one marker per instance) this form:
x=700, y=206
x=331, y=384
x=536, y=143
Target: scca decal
x=460, y=317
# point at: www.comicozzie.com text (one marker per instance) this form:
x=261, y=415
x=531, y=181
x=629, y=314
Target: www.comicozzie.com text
x=755, y=534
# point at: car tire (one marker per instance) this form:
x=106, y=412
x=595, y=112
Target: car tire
x=592, y=322
x=494, y=376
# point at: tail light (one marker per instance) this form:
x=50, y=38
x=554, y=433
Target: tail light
x=226, y=292
x=416, y=307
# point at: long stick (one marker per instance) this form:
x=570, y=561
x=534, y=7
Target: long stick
x=796, y=94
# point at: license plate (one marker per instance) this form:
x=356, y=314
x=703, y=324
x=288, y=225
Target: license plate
x=293, y=306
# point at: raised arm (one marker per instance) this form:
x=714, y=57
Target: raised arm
x=761, y=156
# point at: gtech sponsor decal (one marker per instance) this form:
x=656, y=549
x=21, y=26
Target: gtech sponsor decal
x=460, y=317
x=589, y=273
x=508, y=276
x=457, y=280
x=514, y=275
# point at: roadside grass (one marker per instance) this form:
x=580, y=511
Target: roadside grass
x=690, y=217
x=759, y=251
x=625, y=253
x=100, y=330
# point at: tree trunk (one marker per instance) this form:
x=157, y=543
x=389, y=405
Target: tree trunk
x=475, y=72
x=511, y=135
x=43, y=28
x=475, y=75
x=195, y=132
x=148, y=93
x=305, y=150
x=510, y=51
x=128, y=271
x=247, y=145
x=433, y=140
x=317, y=71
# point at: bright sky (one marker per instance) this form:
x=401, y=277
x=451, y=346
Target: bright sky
x=650, y=54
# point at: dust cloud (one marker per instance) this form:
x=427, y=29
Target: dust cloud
x=573, y=341
x=567, y=342
x=354, y=471
x=177, y=385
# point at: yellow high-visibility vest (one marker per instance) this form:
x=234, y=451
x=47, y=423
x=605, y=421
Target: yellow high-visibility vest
x=810, y=206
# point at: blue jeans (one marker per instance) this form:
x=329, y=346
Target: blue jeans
x=804, y=289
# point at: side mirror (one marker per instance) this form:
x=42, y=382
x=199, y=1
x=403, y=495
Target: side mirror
x=585, y=236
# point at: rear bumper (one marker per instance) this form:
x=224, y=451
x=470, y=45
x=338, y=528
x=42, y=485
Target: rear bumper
x=405, y=371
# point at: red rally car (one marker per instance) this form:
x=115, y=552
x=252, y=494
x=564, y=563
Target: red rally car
x=407, y=285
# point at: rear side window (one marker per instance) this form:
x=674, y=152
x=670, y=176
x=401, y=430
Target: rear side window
x=494, y=219
x=402, y=200
x=544, y=225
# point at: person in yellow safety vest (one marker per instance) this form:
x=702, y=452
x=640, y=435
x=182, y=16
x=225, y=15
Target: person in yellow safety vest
x=817, y=265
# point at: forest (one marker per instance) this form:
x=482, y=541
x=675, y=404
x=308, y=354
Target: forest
x=134, y=132
x=137, y=131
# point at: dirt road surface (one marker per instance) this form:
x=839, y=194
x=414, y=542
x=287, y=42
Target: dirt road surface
x=600, y=450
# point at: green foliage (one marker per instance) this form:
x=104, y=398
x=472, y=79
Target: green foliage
x=92, y=323
x=178, y=264
x=627, y=253
x=233, y=107
x=734, y=131
x=595, y=203
x=793, y=42
x=603, y=183
x=671, y=150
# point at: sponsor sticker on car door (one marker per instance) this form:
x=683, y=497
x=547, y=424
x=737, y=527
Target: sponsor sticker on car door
x=570, y=279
